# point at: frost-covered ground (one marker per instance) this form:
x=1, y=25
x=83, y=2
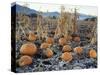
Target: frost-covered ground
x=40, y=63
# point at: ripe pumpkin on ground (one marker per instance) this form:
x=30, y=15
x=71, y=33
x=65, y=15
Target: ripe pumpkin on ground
x=68, y=37
x=77, y=39
x=66, y=48
x=32, y=36
x=25, y=60
x=44, y=45
x=78, y=50
x=62, y=41
x=67, y=56
x=50, y=40
x=49, y=53
x=92, y=53
x=28, y=49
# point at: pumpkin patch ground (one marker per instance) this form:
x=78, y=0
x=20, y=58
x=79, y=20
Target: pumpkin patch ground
x=53, y=41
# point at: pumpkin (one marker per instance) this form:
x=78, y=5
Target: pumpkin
x=68, y=37
x=32, y=37
x=25, y=60
x=44, y=45
x=77, y=39
x=28, y=49
x=50, y=40
x=62, y=41
x=67, y=56
x=49, y=53
x=92, y=53
x=66, y=48
x=78, y=50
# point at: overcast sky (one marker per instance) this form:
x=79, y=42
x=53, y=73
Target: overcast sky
x=89, y=10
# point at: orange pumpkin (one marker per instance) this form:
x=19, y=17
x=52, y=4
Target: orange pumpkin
x=28, y=49
x=49, y=53
x=25, y=60
x=50, y=40
x=77, y=39
x=78, y=50
x=32, y=37
x=44, y=45
x=62, y=41
x=66, y=48
x=92, y=53
x=68, y=37
x=67, y=56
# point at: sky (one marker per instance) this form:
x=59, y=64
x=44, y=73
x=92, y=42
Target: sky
x=88, y=10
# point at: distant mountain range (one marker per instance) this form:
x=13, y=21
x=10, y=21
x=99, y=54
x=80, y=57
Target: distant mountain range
x=22, y=9
x=28, y=11
x=84, y=16
x=51, y=14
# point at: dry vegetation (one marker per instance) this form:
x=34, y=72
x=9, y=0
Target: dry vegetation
x=40, y=42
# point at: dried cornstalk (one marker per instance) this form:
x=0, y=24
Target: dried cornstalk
x=23, y=23
x=39, y=25
x=57, y=30
x=45, y=31
x=94, y=38
x=75, y=28
x=63, y=22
